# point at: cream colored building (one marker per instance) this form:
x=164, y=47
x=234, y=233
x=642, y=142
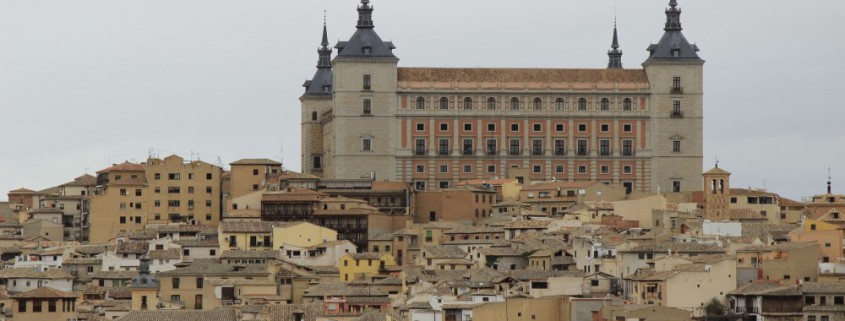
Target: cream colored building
x=688, y=284
x=183, y=191
x=364, y=116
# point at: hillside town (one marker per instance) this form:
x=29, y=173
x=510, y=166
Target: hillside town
x=439, y=194
x=174, y=239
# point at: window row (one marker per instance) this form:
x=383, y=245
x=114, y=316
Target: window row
x=178, y=176
x=515, y=127
x=535, y=169
x=515, y=103
x=515, y=147
x=178, y=203
x=177, y=190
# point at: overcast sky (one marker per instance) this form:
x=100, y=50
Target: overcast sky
x=87, y=83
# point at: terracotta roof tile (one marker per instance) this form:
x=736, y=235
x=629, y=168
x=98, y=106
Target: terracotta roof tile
x=255, y=161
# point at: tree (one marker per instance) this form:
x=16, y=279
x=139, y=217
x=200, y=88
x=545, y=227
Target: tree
x=714, y=307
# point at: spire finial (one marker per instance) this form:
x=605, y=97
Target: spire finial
x=673, y=3
x=829, y=189
x=365, y=15
x=325, y=41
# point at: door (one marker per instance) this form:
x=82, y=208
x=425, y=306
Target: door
x=198, y=302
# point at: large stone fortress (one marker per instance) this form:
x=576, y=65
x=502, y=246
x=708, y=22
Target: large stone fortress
x=364, y=116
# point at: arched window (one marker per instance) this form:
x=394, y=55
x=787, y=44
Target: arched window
x=582, y=104
x=468, y=103
x=538, y=104
x=314, y=116
x=559, y=104
x=444, y=103
x=491, y=103
x=514, y=103
x=626, y=104
x=605, y=104
x=420, y=103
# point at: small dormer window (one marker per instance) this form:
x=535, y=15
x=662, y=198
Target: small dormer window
x=367, y=50
x=327, y=88
x=676, y=53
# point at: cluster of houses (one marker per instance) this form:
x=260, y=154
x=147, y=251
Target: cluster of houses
x=297, y=247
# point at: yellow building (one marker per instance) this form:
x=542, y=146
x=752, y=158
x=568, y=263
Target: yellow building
x=44, y=304
x=828, y=236
x=246, y=235
x=302, y=234
x=354, y=266
x=144, y=288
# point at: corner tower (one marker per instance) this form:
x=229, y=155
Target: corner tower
x=316, y=103
x=676, y=77
x=363, y=126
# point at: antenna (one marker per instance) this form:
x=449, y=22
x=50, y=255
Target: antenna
x=717, y=161
x=829, y=190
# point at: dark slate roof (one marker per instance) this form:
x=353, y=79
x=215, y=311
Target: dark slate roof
x=366, y=36
x=182, y=315
x=673, y=39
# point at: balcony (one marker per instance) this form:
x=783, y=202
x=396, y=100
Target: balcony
x=677, y=90
x=677, y=114
x=419, y=151
x=627, y=152
x=467, y=151
x=537, y=151
x=767, y=309
x=583, y=152
x=604, y=152
x=491, y=151
x=514, y=151
x=560, y=152
x=443, y=151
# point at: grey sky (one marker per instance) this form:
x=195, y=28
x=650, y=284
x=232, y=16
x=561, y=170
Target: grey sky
x=87, y=82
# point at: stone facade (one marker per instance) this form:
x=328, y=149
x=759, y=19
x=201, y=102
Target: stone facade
x=433, y=127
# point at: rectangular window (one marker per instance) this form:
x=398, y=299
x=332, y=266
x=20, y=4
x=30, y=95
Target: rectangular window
x=560, y=147
x=627, y=147
x=367, y=145
x=174, y=176
x=514, y=147
x=467, y=148
x=536, y=169
x=491, y=168
x=676, y=83
x=558, y=127
x=537, y=147
x=582, y=169
x=538, y=127
x=582, y=127
x=420, y=168
x=582, y=147
x=22, y=306
x=208, y=189
x=367, y=82
x=491, y=147
x=627, y=128
x=559, y=169
x=420, y=127
x=605, y=169
x=175, y=283
x=443, y=184
x=604, y=147
x=208, y=176
x=36, y=305
x=443, y=147
x=368, y=110
x=123, y=192
x=605, y=127
x=627, y=170
x=467, y=168
x=467, y=127
x=676, y=186
x=200, y=282
x=514, y=127
x=444, y=127
x=444, y=168
x=491, y=127
x=676, y=146
x=138, y=192
x=419, y=147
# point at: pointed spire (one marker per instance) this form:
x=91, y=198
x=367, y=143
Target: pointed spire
x=673, y=45
x=614, y=54
x=365, y=15
x=829, y=189
x=325, y=52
